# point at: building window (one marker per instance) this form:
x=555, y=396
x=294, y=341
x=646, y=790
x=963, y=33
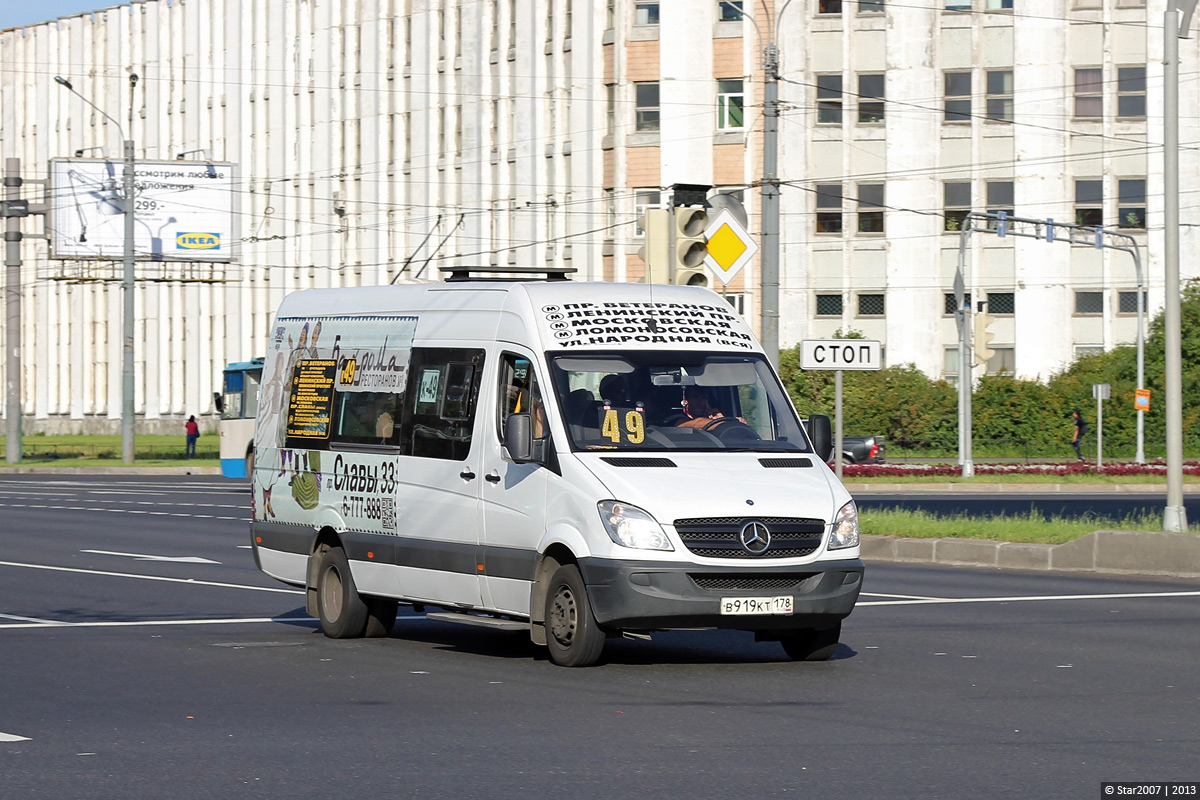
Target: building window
x=1086, y=350
x=1089, y=93
x=646, y=106
x=642, y=200
x=829, y=6
x=645, y=13
x=958, y=5
x=950, y=365
x=999, y=95
x=729, y=10
x=958, y=97
x=870, y=98
x=1002, y=362
x=1131, y=203
x=870, y=6
x=999, y=5
x=999, y=198
x=870, y=305
x=1131, y=92
x=956, y=202
x=1089, y=203
x=730, y=100
x=1127, y=302
x=1089, y=303
x=829, y=305
x=829, y=99
x=870, y=208
x=1001, y=303
x=829, y=208
x=610, y=108
x=950, y=308
x=610, y=15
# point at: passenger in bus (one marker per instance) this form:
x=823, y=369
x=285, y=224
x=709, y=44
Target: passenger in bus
x=614, y=390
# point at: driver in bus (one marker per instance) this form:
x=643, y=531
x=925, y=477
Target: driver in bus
x=699, y=408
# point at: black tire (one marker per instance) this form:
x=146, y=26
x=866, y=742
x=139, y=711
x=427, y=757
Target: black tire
x=342, y=613
x=381, y=617
x=573, y=636
x=250, y=466
x=811, y=645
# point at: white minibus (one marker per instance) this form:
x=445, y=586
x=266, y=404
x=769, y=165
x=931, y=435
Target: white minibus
x=574, y=460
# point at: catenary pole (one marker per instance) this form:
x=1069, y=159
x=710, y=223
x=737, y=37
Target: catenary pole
x=1174, y=515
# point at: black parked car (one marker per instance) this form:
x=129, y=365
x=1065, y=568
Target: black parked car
x=863, y=449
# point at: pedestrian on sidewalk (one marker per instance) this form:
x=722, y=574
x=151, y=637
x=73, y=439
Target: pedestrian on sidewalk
x=1081, y=427
x=193, y=433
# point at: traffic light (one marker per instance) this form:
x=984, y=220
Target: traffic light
x=983, y=337
x=655, y=251
x=690, y=246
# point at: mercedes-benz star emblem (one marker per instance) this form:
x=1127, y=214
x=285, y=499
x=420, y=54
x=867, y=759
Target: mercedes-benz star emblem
x=756, y=538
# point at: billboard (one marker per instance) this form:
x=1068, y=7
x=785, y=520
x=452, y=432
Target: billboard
x=183, y=210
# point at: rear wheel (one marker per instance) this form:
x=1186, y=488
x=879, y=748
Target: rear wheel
x=811, y=645
x=381, y=617
x=250, y=465
x=573, y=636
x=342, y=613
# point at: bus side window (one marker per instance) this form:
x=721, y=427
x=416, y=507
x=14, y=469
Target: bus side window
x=439, y=410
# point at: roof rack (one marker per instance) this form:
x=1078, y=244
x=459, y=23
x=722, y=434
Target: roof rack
x=507, y=273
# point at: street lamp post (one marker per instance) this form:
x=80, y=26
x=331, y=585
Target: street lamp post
x=127, y=384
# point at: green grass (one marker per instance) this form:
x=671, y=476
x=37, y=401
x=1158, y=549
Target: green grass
x=91, y=450
x=1030, y=528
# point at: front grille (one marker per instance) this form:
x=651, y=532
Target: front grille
x=718, y=537
x=750, y=583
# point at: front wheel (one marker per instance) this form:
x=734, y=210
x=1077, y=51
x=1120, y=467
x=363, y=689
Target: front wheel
x=811, y=645
x=573, y=636
x=342, y=612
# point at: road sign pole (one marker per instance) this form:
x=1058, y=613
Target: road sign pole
x=13, y=405
x=1099, y=433
x=837, y=426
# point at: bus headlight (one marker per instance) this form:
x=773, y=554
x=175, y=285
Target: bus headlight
x=844, y=531
x=630, y=526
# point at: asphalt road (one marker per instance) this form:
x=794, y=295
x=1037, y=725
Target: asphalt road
x=1049, y=504
x=125, y=677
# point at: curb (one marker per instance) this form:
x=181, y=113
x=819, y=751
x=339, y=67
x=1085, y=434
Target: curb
x=1155, y=553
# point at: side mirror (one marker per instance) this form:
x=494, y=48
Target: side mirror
x=820, y=431
x=219, y=402
x=518, y=437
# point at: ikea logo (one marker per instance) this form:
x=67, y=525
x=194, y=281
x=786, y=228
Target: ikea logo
x=197, y=241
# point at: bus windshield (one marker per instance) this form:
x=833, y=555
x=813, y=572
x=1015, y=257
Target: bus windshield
x=637, y=401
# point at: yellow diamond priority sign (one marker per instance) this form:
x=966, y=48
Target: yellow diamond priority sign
x=729, y=246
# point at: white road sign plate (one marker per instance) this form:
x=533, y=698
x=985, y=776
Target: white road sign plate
x=841, y=354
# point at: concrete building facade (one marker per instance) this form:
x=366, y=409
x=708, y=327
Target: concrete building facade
x=381, y=140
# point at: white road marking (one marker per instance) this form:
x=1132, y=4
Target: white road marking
x=159, y=623
x=12, y=737
x=1032, y=598
x=243, y=518
x=140, y=557
x=900, y=596
x=29, y=619
x=151, y=578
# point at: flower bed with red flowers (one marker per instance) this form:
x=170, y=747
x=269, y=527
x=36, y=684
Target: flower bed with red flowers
x=1116, y=469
